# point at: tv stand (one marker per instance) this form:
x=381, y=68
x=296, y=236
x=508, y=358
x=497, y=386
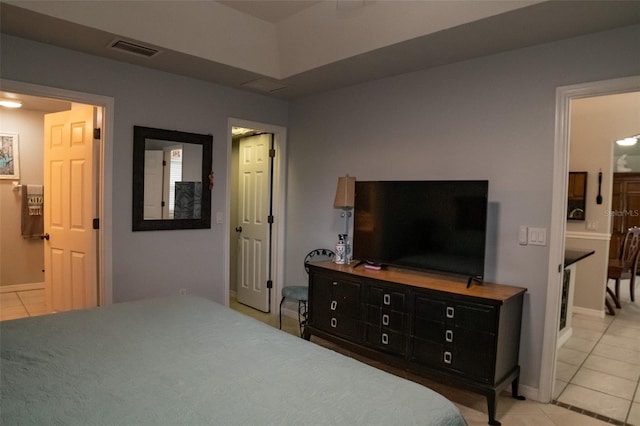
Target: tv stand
x=471, y=280
x=430, y=325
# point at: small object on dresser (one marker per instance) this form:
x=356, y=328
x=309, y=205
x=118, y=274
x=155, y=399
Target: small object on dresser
x=341, y=250
x=372, y=266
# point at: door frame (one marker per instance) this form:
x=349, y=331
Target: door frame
x=564, y=96
x=104, y=261
x=279, y=203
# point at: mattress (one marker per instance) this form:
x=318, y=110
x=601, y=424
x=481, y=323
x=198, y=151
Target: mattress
x=189, y=361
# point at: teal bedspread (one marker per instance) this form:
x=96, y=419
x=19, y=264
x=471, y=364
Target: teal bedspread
x=189, y=361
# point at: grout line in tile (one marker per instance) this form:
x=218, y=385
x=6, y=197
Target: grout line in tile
x=588, y=413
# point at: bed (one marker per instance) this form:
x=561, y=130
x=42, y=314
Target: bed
x=189, y=361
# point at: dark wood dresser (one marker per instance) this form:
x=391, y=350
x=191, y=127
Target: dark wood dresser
x=428, y=324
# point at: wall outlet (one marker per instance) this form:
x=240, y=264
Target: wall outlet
x=183, y=291
x=592, y=225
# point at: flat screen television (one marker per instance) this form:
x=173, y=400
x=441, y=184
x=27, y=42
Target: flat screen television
x=426, y=225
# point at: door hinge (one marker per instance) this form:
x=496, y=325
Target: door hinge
x=559, y=268
x=96, y=223
x=270, y=219
x=97, y=133
x=272, y=153
x=162, y=204
x=164, y=163
x=269, y=284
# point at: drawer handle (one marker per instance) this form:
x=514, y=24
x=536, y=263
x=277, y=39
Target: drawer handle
x=447, y=357
x=334, y=305
x=385, y=339
x=334, y=322
x=385, y=319
x=386, y=299
x=450, y=311
x=448, y=336
x=335, y=283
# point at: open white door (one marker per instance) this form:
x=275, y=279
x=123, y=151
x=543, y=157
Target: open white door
x=253, y=211
x=69, y=208
x=153, y=181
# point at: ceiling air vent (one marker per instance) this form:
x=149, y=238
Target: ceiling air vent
x=136, y=49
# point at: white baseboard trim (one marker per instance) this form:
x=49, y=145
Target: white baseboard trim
x=588, y=312
x=528, y=392
x=566, y=335
x=21, y=287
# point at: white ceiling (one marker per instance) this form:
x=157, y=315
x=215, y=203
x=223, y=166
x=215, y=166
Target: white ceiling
x=272, y=11
x=289, y=49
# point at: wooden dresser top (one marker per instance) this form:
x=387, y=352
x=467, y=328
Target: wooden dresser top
x=431, y=281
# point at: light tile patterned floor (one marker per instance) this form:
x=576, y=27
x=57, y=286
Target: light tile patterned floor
x=472, y=406
x=22, y=304
x=598, y=369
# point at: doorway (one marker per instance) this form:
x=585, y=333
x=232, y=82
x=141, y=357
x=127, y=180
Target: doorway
x=256, y=280
x=564, y=97
x=102, y=172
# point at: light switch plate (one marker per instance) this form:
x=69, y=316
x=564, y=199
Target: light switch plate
x=538, y=236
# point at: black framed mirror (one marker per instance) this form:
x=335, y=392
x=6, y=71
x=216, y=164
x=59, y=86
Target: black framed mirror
x=577, y=196
x=171, y=179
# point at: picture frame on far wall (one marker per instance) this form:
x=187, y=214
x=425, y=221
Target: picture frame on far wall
x=9, y=156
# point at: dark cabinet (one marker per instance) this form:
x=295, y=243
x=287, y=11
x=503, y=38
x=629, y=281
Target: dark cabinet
x=385, y=319
x=625, y=209
x=457, y=337
x=336, y=307
x=436, y=327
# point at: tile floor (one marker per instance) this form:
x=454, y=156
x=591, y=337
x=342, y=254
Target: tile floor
x=22, y=304
x=598, y=368
x=472, y=406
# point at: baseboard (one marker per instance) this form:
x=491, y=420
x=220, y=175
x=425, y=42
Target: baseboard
x=564, y=337
x=21, y=287
x=588, y=312
x=528, y=392
x=289, y=312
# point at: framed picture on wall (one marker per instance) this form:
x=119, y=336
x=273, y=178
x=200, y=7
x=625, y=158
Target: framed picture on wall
x=9, y=156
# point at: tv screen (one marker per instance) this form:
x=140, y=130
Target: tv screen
x=425, y=225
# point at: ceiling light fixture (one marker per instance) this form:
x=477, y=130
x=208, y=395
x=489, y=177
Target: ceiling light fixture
x=10, y=103
x=630, y=141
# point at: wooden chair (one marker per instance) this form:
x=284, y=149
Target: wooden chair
x=625, y=267
x=300, y=293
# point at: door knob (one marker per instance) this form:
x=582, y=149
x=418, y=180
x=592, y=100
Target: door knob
x=238, y=228
x=44, y=237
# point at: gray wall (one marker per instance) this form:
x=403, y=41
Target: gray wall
x=489, y=118
x=155, y=263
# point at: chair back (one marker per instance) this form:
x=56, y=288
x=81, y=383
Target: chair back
x=630, y=246
x=316, y=256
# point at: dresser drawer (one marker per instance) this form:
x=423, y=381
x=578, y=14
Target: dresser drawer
x=385, y=318
x=386, y=340
x=383, y=297
x=340, y=325
x=466, y=315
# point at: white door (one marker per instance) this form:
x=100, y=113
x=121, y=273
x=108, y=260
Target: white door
x=69, y=208
x=153, y=177
x=253, y=211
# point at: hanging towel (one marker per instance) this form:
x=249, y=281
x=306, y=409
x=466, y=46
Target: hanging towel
x=32, y=211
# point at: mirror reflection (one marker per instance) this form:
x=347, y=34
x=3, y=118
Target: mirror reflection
x=170, y=179
x=577, y=196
